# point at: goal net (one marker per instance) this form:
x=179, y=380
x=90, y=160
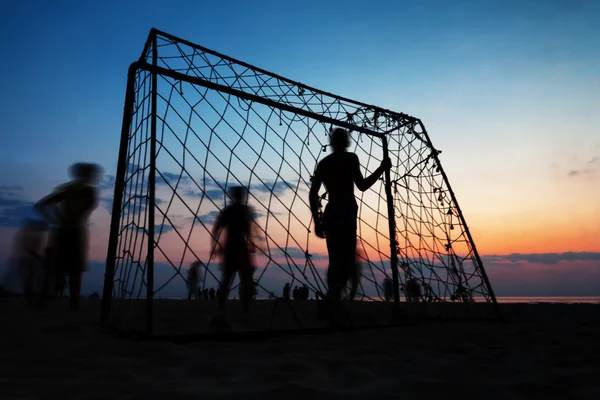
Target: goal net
x=197, y=123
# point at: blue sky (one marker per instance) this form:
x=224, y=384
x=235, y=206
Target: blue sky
x=509, y=90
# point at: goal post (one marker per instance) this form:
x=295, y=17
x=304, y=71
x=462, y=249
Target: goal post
x=197, y=122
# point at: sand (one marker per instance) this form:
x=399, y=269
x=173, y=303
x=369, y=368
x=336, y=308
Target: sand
x=545, y=351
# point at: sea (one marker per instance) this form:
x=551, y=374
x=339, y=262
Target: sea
x=507, y=299
x=533, y=300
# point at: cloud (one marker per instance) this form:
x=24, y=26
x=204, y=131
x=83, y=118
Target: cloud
x=107, y=203
x=12, y=213
x=164, y=228
x=170, y=178
x=295, y=253
x=213, y=194
x=543, y=258
x=277, y=188
x=14, y=210
x=207, y=218
x=107, y=183
x=11, y=188
x=214, y=189
x=133, y=168
x=590, y=168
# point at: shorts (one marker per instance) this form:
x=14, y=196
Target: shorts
x=238, y=259
x=339, y=225
x=69, y=250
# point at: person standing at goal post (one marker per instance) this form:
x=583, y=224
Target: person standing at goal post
x=339, y=172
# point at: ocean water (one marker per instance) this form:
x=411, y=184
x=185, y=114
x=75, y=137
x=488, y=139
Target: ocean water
x=501, y=299
x=549, y=299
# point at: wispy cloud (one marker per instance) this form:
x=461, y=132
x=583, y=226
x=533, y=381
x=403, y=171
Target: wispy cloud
x=164, y=228
x=208, y=218
x=543, y=258
x=160, y=228
x=277, y=188
x=295, y=253
x=163, y=178
x=11, y=189
x=215, y=189
x=590, y=168
x=107, y=183
x=13, y=210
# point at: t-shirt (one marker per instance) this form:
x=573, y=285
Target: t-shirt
x=338, y=172
x=236, y=218
x=78, y=201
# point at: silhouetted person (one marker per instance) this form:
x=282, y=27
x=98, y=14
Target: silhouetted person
x=237, y=220
x=286, y=291
x=68, y=209
x=27, y=256
x=388, y=289
x=295, y=293
x=212, y=295
x=304, y=292
x=193, y=279
x=339, y=172
x=413, y=290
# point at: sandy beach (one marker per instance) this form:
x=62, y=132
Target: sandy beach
x=543, y=351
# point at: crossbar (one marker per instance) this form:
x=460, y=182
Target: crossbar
x=251, y=97
x=175, y=39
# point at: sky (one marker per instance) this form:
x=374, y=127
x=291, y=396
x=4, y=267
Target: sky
x=508, y=90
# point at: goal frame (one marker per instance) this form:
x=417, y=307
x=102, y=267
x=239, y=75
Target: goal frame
x=150, y=51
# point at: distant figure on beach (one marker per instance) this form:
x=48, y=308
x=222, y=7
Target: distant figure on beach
x=193, y=280
x=339, y=172
x=212, y=294
x=286, y=291
x=413, y=290
x=303, y=292
x=68, y=209
x=238, y=221
x=27, y=256
x=295, y=293
x=388, y=289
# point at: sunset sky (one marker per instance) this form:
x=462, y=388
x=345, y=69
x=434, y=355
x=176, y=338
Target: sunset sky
x=508, y=90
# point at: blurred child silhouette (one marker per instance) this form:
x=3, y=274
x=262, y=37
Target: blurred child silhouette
x=193, y=280
x=388, y=289
x=68, y=209
x=27, y=256
x=238, y=222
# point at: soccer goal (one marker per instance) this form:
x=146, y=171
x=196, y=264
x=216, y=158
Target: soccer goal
x=197, y=123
